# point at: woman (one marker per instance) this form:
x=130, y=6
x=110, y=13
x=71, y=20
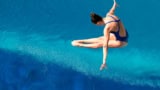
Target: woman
x=115, y=35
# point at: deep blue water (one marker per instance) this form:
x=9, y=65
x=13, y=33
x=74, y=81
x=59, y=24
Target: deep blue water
x=24, y=72
x=36, y=54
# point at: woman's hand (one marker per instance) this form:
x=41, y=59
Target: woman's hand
x=103, y=66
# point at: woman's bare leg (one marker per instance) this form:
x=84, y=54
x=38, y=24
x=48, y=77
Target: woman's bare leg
x=92, y=45
x=116, y=44
x=92, y=42
x=89, y=43
x=96, y=42
x=111, y=44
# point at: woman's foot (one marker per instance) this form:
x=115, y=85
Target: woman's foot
x=75, y=43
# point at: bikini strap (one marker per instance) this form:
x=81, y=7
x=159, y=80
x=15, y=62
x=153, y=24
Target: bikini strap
x=114, y=18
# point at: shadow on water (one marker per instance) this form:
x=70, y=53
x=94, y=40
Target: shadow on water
x=24, y=72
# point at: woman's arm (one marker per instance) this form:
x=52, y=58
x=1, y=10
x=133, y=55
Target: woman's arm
x=105, y=48
x=111, y=11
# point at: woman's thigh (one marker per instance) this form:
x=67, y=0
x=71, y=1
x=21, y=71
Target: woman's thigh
x=90, y=40
x=116, y=44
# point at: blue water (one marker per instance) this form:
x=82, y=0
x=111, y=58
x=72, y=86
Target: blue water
x=36, y=54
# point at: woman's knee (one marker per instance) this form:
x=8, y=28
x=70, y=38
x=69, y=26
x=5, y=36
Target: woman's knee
x=116, y=44
x=98, y=45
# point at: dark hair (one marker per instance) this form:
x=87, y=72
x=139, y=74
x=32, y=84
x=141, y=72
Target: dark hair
x=95, y=18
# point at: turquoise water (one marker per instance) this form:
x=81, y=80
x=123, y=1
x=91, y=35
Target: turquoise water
x=41, y=31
